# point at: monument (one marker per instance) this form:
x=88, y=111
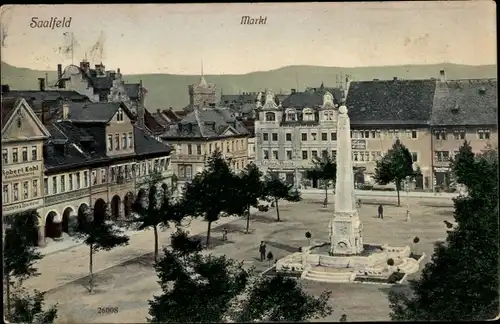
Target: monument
x=345, y=257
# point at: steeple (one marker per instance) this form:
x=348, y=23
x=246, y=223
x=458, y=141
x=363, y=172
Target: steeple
x=203, y=82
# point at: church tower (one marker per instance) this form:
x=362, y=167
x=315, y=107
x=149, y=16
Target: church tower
x=203, y=94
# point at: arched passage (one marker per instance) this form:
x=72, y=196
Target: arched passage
x=141, y=196
x=165, y=190
x=69, y=221
x=83, y=211
x=99, y=211
x=115, y=207
x=53, y=225
x=128, y=200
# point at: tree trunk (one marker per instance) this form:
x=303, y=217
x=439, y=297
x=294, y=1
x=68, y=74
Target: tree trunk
x=326, y=194
x=277, y=209
x=397, y=189
x=7, y=277
x=91, y=266
x=208, y=233
x=155, y=230
x=248, y=220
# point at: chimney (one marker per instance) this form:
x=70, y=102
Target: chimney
x=170, y=108
x=395, y=78
x=65, y=109
x=5, y=88
x=442, y=76
x=140, y=107
x=158, y=111
x=41, y=84
x=293, y=91
x=375, y=79
x=59, y=71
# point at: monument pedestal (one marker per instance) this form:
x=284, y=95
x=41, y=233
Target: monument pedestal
x=346, y=234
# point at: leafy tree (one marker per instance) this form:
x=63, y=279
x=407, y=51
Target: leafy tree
x=276, y=189
x=324, y=169
x=28, y=308
x=461, y=281
x=213, y=192
x=184, y=245
x=281, y=299
x=196, y=288
x=395, y=166
x=250, y=189
x=158, y=210
x=308, y=237
x=98, y=235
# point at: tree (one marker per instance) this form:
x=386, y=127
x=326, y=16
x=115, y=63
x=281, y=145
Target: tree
x=276, y=189
x=28, y=308
x=324, y=169
x=213, y=192
x=250, y=189
x=196, y=287
x=461, y=281
x=98, y=235
x=158, y=210
x=281, y=299
x=395, y=166
x=308, y=237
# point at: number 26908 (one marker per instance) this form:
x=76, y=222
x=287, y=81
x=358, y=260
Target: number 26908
x=107, y=310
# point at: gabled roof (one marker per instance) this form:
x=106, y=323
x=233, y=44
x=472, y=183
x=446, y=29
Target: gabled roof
x=303, y=99
x=146, y=144
x=391, y=101
x=11, y=105
x=466, y=102
x=151, y=123
x=99, y=112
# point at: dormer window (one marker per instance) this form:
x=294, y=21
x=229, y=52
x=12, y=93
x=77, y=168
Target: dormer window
x=119, y=115
x=290, y=115
x=270, y=116
x=328, y=115
x=308, y=114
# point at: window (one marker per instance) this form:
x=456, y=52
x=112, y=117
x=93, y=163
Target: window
x=324, y=136
x=144, y=169
x=34, y=188
x=484, y=134
x=232, y=145
x=313, y=135
x=333, y=136
x=117, y=141
x=270, y=116
x=119, y=115
x=440, y=135
x=77, y=176
x=265, y=137
x=413, y=134
x=126, y=174
x=14, y=155
x=70, y=182
x=355, y=134
x=414, y=157
x=367, y=134
x=304, y=155
x=275, y=137
x=442, y=156
x=5, y=156
x=190, y=149
x=198, y=149
x=227, y=147
x=63, y=183
x=324, y=153
x=34, y=153
x=374, y=156
x=288, y=155
x=185, y=171
x=110, y=142
x=266, y=154
x=15, y=192
x=25, y=153
x=373, y=133
x=355, y=156
x=209, y=148
x=459, y=134
x=334, y=154
x=314, y=154
x=94, y=177
x=275, y=154
x=304, y=136
x=288, y=137
x=5, y=194
x=308, y=114
x=367, y=156
x=103, y=175
x=46, y=186
x=396, y=133
x=130, y=142
x=361, y=156
x=124, y=141
x=25, y=190
x=85, y=179
x=54, y=185
x=291, y=115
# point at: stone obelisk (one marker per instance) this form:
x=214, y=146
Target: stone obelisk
x=346, y=229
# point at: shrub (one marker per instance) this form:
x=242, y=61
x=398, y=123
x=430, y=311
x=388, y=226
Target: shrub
x=390, y=262
x=308, y=235
x=270, y=255
x=416, y=240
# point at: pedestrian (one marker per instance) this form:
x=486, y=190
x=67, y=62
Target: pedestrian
x=325, y=202
x=407, y=215
x=359, y=203
x=262, y=250
x=343, y=318
x=380, y=211
x=224, y=234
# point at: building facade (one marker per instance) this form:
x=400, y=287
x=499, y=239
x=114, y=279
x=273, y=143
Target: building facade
x=23, y=136
x=290, y=135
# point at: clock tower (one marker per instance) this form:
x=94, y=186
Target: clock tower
x=346, y=230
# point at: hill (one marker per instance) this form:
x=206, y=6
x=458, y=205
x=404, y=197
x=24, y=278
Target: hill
x=166, y=90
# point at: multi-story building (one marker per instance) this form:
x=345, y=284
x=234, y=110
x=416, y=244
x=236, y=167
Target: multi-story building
x=202, y=131
x=95, y=157
x=291, y=134
x=462, y=110
x=23, y=135
x=383, y=110
x=202, y=94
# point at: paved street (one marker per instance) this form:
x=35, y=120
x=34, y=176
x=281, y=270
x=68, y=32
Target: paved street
x=130, y=284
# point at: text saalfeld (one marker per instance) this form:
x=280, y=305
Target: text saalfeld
x=53, y=22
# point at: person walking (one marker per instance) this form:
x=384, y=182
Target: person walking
x=325, y=202
x=380, y=211
x=224, y=234
x=407, y=215
x=262, y=250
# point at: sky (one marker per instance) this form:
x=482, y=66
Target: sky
x=176, y=38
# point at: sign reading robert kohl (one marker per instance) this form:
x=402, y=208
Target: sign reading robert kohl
x=358, y=144
x=53, y=22
x=20, y=172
